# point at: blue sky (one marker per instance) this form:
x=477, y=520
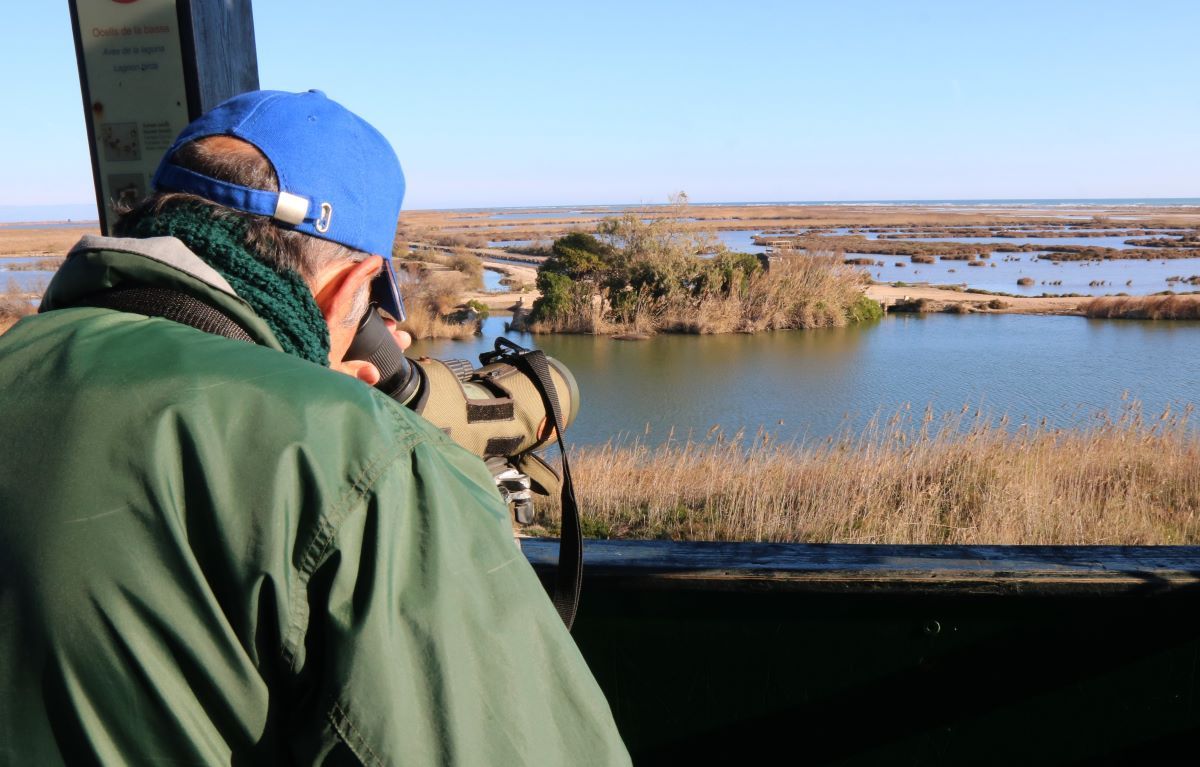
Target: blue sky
x=527, y=103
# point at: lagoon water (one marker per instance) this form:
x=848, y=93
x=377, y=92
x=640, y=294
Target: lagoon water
x=491, y=280
x=29, y=280
x=1095, y=242
x=1075, y=276
x=1135, y=276
x=820, y=382
x=1091, y=242
x=741, y=241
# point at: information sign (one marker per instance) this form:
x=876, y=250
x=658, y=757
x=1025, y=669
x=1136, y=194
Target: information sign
x=134, y=90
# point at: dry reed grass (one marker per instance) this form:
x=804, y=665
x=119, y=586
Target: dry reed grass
x=1143, y=308
x=14, y=304
x=799, y=291
x=958, y=479
x=424, y=322
x=47, y=264
x=430, y=298
x=50, y=241
x=790, y=217
x=586, y=316
x=460, y=260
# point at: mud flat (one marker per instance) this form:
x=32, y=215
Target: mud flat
x=479, y=227
x=48, y=240
x=937, y=299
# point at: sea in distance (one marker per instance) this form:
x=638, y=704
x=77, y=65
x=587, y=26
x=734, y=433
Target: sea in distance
x=1065, y=202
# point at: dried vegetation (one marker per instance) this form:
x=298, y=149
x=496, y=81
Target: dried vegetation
x=915, y=478
x=1168, y=307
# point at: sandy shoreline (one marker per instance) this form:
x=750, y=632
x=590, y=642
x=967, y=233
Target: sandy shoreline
x=942, y=298
x=508, y=301
x=887, y=295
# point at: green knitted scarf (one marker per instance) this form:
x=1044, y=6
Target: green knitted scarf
x=279, y=296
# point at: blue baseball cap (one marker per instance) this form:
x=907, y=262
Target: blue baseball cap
x=339, y=179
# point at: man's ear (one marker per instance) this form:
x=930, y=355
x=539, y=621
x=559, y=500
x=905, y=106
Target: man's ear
x=339, y=285
x=334, y=290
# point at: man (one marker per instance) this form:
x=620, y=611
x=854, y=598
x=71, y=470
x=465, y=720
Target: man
x=216, y=545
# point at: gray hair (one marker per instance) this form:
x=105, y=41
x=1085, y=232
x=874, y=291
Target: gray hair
x=228, y=159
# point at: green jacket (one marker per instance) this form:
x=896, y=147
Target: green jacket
x=212, y=552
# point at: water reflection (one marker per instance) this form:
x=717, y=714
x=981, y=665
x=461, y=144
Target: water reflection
x=819, y=382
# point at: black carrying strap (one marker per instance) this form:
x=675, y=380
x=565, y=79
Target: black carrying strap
x=569, y=578
x=169, y=304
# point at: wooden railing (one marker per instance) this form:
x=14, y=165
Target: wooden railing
x=732, y=652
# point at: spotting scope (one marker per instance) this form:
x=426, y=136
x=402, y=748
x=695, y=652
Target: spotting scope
x=498, y=411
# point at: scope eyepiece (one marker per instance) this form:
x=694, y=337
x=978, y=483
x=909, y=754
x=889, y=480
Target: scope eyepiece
x=374, y=343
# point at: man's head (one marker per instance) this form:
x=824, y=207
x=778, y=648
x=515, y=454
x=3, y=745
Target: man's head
x=319, y=188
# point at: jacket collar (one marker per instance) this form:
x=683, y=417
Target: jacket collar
x=97, y=263
x=168, y=251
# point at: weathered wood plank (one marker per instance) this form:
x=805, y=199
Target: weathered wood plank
x=853, y=567
x=219, y=55
x=737, y=652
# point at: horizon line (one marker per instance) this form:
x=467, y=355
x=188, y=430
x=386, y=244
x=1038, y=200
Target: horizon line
x=1023, y=201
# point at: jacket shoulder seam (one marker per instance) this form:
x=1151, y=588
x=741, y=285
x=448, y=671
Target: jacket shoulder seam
x=318, y=549
x=359, y=487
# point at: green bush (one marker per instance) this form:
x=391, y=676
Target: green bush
x=558, y=292
x=578, y=256
x=480, y=308
x=663, y=273
x=864, y=310
x=729, y=273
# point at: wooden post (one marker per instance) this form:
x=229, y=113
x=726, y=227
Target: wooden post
x=219, y=53
x=146, y=69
